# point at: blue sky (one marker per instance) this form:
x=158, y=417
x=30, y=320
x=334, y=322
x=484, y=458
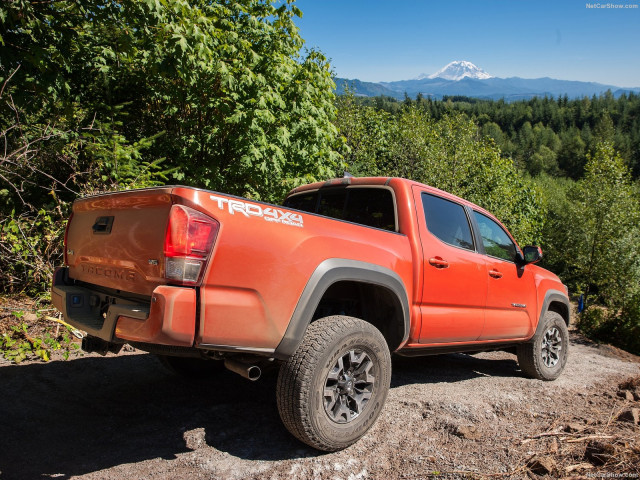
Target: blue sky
x=399, y=39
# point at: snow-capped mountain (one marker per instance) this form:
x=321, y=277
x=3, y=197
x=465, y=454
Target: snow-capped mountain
x=458, y=70
x=462, y=78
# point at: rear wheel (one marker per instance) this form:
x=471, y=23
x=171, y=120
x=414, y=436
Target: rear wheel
x=546, y=355
x=331, y=391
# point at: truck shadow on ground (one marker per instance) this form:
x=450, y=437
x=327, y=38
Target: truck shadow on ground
x=453, y=367
x=71, y=418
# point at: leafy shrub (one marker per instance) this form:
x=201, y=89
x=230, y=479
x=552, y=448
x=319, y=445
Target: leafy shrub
x=593, y=231
x=619, y=327
x=19, y=344
x=30, y=248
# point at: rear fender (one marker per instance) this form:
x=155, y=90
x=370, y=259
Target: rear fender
x=328, y=273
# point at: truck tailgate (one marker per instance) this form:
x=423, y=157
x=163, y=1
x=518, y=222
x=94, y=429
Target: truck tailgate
x=116, y=240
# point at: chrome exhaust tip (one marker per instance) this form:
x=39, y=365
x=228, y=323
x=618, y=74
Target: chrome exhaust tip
x=246, y=370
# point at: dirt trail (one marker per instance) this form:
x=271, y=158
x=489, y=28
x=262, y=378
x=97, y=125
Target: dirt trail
x=450, y=416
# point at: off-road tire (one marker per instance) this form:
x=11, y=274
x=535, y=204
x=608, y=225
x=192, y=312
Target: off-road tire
x=190, y=367
x=304, y=380
x=545, y=356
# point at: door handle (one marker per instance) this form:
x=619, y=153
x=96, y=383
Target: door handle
x=495, y=273
x=438, y=262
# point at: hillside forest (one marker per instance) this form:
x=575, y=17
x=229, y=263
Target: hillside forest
x=100, y=96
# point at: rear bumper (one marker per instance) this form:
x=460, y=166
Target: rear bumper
x=168, y=318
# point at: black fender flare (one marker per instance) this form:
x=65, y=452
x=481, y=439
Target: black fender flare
x=326, y=274
x=549, y=297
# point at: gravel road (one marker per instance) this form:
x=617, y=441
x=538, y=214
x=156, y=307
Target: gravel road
x=450, y=416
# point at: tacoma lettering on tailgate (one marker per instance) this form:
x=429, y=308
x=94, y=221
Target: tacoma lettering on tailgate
x=117, y=273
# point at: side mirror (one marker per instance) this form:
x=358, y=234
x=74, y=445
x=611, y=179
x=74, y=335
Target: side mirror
x=532, y=254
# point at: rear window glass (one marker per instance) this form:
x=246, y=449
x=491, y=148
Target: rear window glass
x=372, y=207
x=306, y=202
x=447, y=221
x=333, y=204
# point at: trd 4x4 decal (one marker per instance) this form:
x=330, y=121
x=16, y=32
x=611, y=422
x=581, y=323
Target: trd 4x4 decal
x=270, y=214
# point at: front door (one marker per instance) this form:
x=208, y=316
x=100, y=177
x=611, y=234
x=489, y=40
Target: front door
x=511, y=295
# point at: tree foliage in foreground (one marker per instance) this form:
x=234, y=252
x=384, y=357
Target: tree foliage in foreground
x=221, y=88
x=595, y=230
x=594, y=244
x=99, y=95
x=242, y=110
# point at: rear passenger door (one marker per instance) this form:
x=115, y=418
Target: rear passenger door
x=454, y=274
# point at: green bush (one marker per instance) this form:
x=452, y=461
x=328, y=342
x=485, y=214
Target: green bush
x=618, y=327
x=31, y=245
x=593, y=231
x=20, y=344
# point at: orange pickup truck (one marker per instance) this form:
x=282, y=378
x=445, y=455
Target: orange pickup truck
x=325, y=287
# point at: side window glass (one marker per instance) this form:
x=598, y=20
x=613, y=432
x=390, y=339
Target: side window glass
x=447, y=221
x=304, y=201
x=332, y=203
x=372, y=207
x=495, y=240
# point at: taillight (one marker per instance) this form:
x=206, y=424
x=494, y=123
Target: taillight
x=66, y=237
x=188, y=241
